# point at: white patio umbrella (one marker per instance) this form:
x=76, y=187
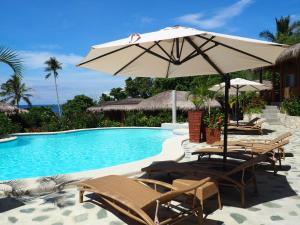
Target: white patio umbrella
x=180, y=52
x=238, y=85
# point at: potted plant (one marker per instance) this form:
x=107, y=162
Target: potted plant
x=213, y=122
x=199, y=95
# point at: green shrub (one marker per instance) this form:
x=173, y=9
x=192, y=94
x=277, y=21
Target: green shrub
x=7, y=126
x=291, y=106
x=40, y=119
x=214, y=119
x=109, y=123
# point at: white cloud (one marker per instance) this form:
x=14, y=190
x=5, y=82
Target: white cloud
x=220, y=18
x=147, y=19
x=36, y=59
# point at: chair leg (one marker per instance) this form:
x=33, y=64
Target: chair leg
x=219, y=200
x=200, y=216
x=242, y=197
x=81, y=196
x=255, y=184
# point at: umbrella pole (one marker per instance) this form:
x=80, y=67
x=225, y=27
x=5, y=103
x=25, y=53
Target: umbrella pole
x=237, y=106
x=227, y=86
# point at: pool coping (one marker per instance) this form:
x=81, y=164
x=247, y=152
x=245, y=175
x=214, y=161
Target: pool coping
x=171, y=150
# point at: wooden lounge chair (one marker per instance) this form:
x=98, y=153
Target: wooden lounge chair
x=252, y=143
x=248, y=150
x=137, y=200
x=245, y=128
x=237, y=175
x=249, y=123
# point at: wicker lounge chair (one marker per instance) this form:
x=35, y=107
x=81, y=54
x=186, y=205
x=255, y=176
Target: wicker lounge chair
x=249, y=123
x=237, y=175
x=249, y=150
x=248, y=128
x=138, y=201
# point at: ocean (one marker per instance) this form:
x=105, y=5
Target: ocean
x=53, y=107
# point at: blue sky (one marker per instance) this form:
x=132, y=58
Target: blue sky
x=66, y=29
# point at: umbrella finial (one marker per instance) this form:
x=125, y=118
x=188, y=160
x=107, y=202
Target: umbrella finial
x=134, y=37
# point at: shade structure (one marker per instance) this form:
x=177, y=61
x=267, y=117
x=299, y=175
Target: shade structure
x=163, y=101
x=238, y=85
x=180, y=52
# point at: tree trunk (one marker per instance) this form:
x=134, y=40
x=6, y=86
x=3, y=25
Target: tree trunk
x=58, y=104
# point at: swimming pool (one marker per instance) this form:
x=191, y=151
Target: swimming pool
x=62, y=153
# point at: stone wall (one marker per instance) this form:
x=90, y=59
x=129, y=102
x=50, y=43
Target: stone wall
x=289, y=121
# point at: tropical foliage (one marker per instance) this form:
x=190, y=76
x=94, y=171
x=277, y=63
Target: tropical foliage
x=7, y=126
x=11, y=58
x=52, y=67
x=287, y=32
x=13, y=91
x=291, y=106
x=214, y=119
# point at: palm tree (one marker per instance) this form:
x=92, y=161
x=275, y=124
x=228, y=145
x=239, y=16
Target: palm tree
x=52, y=67
x=12, y=59
x=285, y=29
x=14, y=91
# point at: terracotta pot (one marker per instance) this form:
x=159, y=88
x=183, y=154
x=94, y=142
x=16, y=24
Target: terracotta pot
x=195, y=118
x=212, y=135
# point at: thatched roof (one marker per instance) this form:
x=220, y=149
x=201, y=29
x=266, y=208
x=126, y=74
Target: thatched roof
x=121, y=105
x=8, y=109
x=290, y=53
x=160, y=101
x=163, y=101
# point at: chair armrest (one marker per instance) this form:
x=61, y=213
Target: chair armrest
x=155, y=182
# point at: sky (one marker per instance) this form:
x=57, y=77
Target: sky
x=67, y=29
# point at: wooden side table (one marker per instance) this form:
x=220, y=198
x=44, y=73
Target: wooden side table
x=205, y=191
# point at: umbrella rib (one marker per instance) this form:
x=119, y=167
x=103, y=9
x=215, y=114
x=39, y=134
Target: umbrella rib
x=157, y=43
x=154, y=53
x=237, y=50
x=205, y=56
x=133, y=60
x=192, y=54
x=169, y=64
x=181, y=48
x=106, y=54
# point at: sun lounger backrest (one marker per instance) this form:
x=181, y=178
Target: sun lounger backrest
x=280, y=138
x=258, y=124
x=252, y=122
x=272, y=147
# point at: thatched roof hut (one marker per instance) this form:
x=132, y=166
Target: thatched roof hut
x=163, y=101
x=288, y=54
x=9, y=109
x=121, y=105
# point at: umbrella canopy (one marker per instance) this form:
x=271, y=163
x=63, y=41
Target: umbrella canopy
x=241, y=85
x=180, y=52
x=238, y=85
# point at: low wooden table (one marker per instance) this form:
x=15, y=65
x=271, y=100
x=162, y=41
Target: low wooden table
x=205, y=191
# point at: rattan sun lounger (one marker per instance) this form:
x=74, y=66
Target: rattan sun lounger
x=245, y=128
x=248, y=150
x=249, y=123
x=142, y=203
x=257, y=142
x=237, y=175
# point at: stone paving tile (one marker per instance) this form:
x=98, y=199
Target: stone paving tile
x=276, y=203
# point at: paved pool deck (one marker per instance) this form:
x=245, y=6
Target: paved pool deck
x=278, y=200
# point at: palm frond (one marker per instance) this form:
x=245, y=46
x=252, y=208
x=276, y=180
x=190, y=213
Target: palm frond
x=12, y=59
x=267, y=35
x=47, y=75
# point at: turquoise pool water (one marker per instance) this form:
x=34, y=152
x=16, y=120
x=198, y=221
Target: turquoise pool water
x=51, y=154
